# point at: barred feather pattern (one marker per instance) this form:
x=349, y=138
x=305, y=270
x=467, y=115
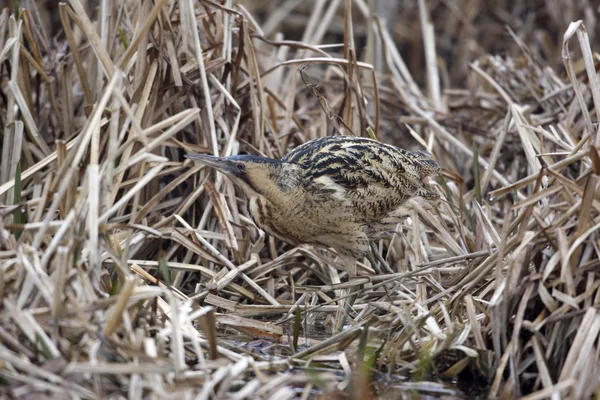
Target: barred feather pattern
x=376, y=177
x=354, y=188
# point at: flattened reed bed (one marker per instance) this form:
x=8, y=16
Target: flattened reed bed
x=126, y=270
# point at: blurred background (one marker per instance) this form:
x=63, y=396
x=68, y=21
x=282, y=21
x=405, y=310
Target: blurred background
x=464, y=29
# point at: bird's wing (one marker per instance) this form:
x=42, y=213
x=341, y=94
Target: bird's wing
x=356, y=168
x=363, y=183
x=367, y=178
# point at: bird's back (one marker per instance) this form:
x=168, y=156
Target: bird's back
x=367, y=178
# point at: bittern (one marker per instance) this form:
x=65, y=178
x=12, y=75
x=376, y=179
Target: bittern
x=338, y=192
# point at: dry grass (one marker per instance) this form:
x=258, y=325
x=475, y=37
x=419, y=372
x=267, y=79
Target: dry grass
x=126, y=270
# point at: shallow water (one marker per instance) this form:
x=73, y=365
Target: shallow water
x=385, y=386
x=388, y=389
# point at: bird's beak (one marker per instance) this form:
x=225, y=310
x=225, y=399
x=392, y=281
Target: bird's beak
x=220, y=163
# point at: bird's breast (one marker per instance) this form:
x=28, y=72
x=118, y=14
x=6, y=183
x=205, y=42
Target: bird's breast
x=312, y=219
x=269, y=219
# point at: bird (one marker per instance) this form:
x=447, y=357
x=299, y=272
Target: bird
x=340, y=192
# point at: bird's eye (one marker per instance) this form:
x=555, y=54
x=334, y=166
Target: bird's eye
x=241, y=167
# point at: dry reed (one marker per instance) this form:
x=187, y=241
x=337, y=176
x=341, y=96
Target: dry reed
x=126, y=270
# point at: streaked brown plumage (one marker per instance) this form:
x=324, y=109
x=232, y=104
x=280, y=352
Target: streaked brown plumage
x=335, y=191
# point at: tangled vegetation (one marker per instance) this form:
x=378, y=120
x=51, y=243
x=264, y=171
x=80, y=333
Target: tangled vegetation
x=128, y=270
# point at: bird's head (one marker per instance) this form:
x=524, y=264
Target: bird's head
x=255, y=175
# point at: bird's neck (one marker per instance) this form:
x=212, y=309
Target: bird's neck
x=276, y=187
x=274, y=196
